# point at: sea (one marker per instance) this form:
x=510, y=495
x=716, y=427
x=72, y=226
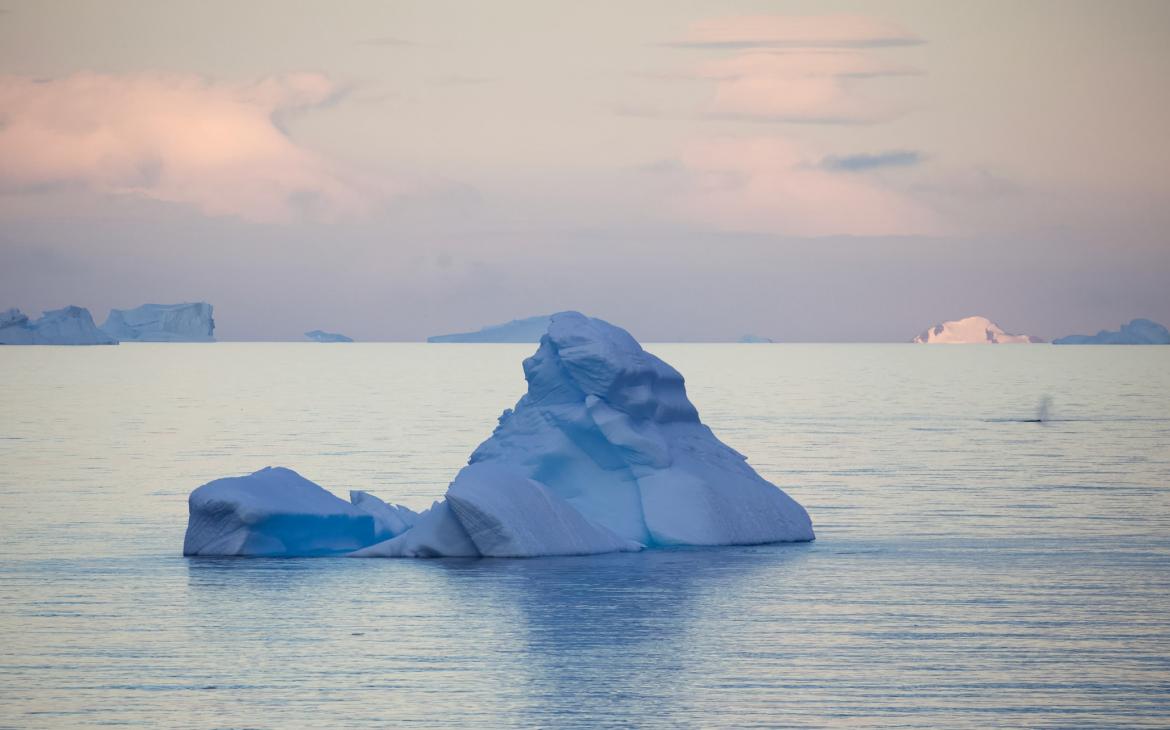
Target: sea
x=993, y=546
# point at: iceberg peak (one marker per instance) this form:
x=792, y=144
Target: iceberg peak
x=608, y=427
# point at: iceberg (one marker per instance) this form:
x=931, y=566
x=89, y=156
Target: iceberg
x=67, y=326
x=971, y=331
x=189, y=322
x=322, y=336
x=518, y=330
x=755, y=340
x=273, y=512
x=604, y=453
x=608, y=427
x=1137, y=332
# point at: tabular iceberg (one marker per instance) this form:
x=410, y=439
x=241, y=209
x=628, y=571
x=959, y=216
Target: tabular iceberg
x=323, y=336
x=188, y=322
x=1137, y=332
x=66, y=326
x=518, y=330
x=604, y=453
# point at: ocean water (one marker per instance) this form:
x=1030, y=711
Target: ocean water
x=973, y=568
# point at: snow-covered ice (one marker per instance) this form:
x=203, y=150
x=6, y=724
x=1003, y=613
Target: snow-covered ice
x=438, y=533
x=323, y=336
x=188, y=322
x=390, y=520
x=604, y=453
x=1137, y=332
x=67, y=326
x=273, y=512
x=971, y=331
x=508, y=515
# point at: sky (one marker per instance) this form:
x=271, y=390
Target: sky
x=805, y=171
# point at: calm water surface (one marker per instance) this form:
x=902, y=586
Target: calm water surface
x=972, y=569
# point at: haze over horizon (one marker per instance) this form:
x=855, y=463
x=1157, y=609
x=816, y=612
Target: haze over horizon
x=805, y=171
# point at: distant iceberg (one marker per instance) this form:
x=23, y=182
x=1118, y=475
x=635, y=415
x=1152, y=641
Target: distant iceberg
x=322, y=336
x=604, y=453
x=971, y=331
x=68, y=326
x=755, y=339
x=1137, y=332
x=518, y=330
x=189, y=322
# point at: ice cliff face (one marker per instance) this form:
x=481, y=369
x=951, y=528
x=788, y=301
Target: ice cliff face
x=971, y=331
x=322, y=336
x=518, y=330
x=1137, y=332
x=67, y=326
x=604, y=453
x=162, y=323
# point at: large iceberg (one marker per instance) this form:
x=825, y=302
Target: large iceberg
x=323, y=336
x=1137, y=332
x=188, y=322
x=604, y=453
x=518, y=330
x=67, y=326
x=971, y=331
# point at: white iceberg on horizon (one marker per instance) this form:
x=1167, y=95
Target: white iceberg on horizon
x=66, y=326
x=323, y=336
x=187, y=322
x=604, y=453
x=971, y=331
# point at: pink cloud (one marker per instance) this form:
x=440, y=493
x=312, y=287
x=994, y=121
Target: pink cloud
x=775, y=185
x=804, y=85
x=797, y=68
x=180, y=138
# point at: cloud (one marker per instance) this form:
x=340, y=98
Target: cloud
x=796, y=31
x=774, y=185
x=798, y=86
x=796, y=69
x=862, y=162
x=218, y=146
